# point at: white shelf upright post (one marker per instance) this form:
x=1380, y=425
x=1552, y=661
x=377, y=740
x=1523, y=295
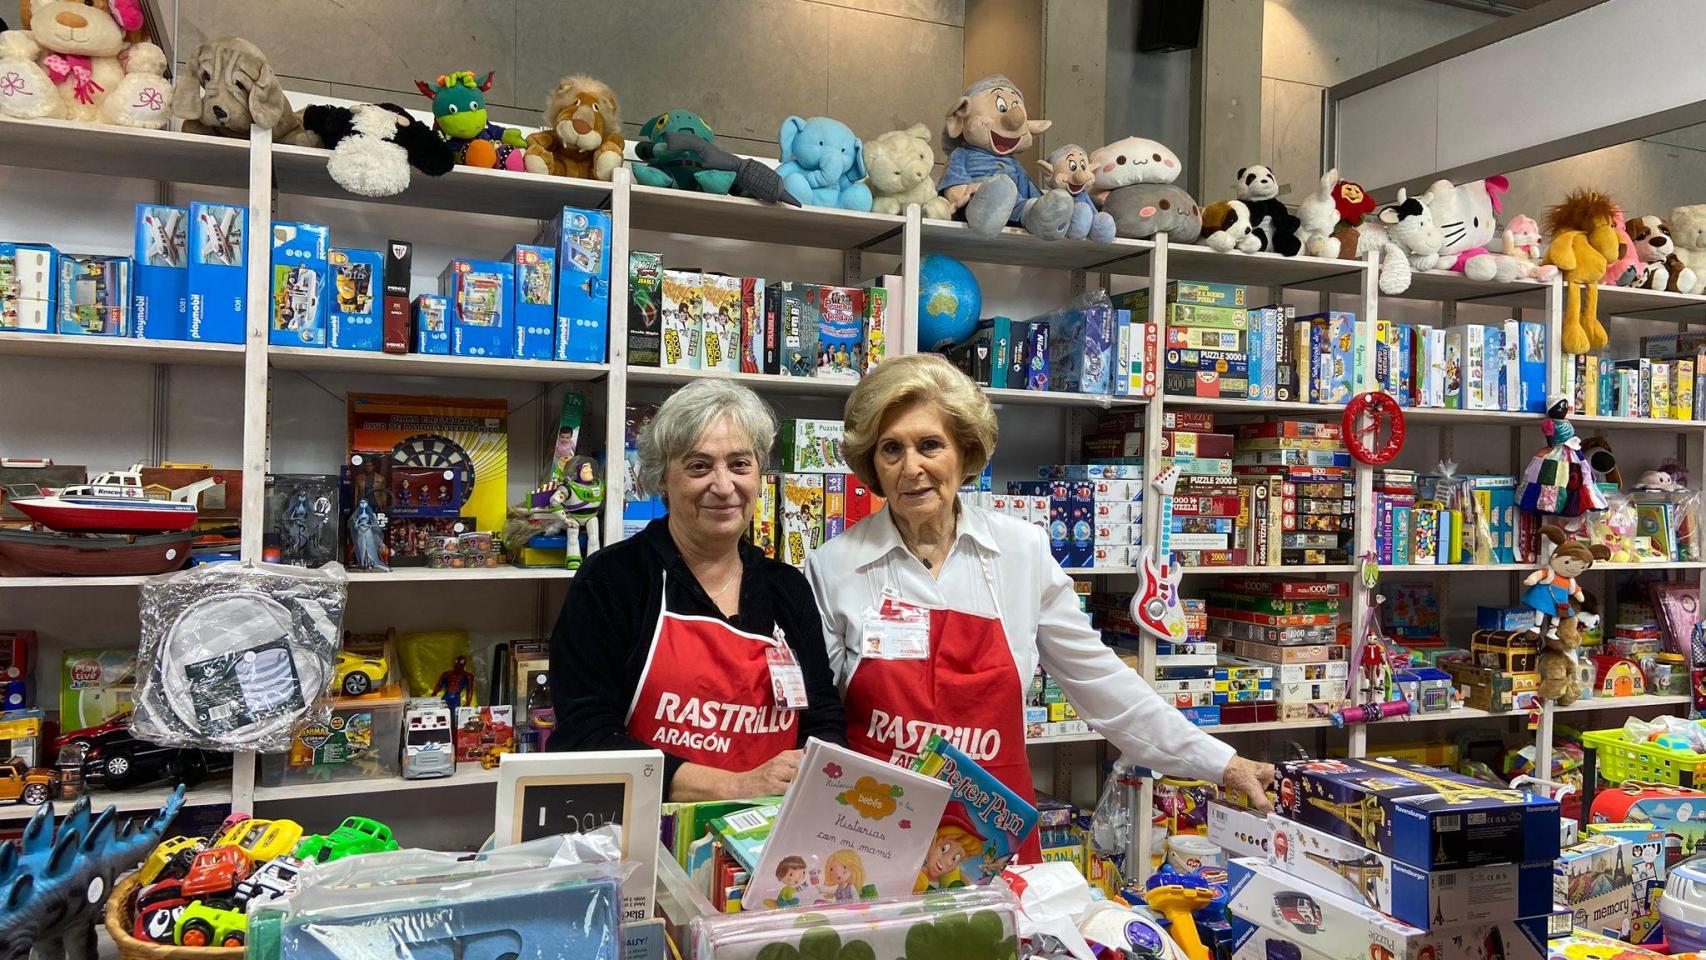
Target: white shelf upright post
x=616, y=382
x=911, y=252
x=1363, y=540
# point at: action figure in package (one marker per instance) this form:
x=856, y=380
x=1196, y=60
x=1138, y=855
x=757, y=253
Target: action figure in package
x=302, y=519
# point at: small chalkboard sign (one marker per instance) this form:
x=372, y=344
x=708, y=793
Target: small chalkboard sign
x=546, y=794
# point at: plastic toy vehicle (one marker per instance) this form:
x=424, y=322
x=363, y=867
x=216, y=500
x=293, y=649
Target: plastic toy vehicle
x=359, y=675
x=275, y=878
x=25, y=784
x=356, y=835
x=215, y=873
x=168, y=853
x=429, y=746
x=262, y=840
x=113, y=758
x=204, y=925
x=158, y=907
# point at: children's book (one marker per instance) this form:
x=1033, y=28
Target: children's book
x=744, y=832
x=851, y=828
x=982, y=828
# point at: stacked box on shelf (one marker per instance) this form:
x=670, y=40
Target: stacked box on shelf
x=1296, y=628
x=1302, y=492
x=1663, y=383
x=1206, y=344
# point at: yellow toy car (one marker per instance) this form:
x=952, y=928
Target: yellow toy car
x=262, y=840
x=357, y=675
x=165, y=852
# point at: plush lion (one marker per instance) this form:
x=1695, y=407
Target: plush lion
x=1584, y=243
x=583, y=132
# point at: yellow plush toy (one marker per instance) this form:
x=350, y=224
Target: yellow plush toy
x=1584, y=242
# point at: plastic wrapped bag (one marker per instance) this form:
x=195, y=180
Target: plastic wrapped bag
x=542, y=900
x=973, y=922
x=1110, y=825
x=234, y=656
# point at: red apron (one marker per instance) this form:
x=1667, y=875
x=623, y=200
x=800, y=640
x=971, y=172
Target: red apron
x=706, y=695
x=968, y=691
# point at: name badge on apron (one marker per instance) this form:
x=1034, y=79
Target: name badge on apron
x=895, y=631
x=786, y=679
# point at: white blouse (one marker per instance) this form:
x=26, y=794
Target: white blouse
x=1037, y=606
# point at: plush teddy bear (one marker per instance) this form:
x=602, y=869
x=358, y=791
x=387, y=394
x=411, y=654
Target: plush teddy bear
x=1143, y=210
x=900, y=164
x=984, y=180
x=1661, y=268
x=582, y=134
x=227, y=87
x=1584, y=242
x=1522, y=243
x=1275, y=225
x=1131, y=161
x=1688, y=232
x=1068, y=168
x=823, y=163
x=1230, y=226
x=1467, y=216
x=89, y=61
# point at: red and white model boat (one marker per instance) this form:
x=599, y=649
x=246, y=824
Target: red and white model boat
x=113, y=503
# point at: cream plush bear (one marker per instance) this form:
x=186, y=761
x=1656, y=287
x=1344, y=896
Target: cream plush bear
x=1688, y=229
x=899, y=164
x=88, y=61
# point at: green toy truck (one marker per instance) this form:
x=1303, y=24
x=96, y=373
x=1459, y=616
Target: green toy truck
x=204, y=925
x=356, y=835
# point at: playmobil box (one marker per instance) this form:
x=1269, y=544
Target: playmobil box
x=1262, y=897
x=432, y=324
x=1428, y=818
x=480, y=304
x=27, y=281
x=218, y=273
x=399, y=265
x=93, y=295
x=160, y=281
x=301, y=301
x=582, y=241
x=357, y=302
x=535, y=310
x=1499, y=891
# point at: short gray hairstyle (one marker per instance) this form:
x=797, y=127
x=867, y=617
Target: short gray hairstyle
x=685, y=417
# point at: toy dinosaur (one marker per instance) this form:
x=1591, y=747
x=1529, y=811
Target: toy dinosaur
x=459, y=112
x=676, y=150
x=54, y=884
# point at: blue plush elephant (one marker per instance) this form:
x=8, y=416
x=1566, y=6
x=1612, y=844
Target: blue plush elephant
x=823, y=163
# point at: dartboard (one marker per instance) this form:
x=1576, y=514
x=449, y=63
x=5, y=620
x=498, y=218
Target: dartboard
x=432, y=450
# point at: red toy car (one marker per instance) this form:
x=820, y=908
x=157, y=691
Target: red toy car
x=215, y=873
x=157, y=908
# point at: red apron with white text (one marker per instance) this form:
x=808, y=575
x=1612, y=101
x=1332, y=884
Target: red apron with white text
x=706, y=695
x=968, y=691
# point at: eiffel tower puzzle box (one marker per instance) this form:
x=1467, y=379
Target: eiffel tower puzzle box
x=1428, y=818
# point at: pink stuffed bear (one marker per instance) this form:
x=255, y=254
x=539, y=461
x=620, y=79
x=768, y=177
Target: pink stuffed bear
x=1625, y=271
x=1522, y=244
x=89, y=61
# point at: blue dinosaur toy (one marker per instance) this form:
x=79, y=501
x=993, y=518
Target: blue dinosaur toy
x=54, y=883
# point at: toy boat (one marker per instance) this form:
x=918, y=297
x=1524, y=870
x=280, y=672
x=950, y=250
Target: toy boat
x=113, y=503
x=39, y=553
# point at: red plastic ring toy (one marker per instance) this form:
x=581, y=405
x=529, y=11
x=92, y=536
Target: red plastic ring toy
x=1363, y=420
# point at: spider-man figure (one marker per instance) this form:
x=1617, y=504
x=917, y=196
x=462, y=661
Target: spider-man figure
x=456, y=686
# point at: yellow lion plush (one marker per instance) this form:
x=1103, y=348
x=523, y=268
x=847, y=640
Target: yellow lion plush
x=583, y=132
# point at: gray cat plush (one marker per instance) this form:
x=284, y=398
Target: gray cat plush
x=1142, y=210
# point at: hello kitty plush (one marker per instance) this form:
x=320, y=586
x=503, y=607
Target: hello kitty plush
x=1521, y=243
x=89, y=61
x=1468, y=218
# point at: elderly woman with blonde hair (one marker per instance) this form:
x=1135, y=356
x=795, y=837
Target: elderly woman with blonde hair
x=937, y=614
x=683, y=637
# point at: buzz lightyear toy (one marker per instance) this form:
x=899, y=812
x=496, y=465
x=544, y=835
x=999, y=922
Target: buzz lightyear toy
x=579, y=497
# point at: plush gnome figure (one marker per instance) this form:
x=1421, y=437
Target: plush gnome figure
x=984, y=181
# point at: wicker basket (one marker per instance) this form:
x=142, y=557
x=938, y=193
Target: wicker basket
x=120, y=921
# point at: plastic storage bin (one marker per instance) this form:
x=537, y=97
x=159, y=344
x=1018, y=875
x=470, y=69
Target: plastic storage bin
x=971, y=922
x=1621, y=760
x=362, y=742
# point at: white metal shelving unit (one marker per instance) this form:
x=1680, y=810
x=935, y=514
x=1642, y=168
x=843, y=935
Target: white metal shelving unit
x=267, y=173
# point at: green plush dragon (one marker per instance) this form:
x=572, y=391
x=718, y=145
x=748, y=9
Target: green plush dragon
x=459, y=112
x=676, y=150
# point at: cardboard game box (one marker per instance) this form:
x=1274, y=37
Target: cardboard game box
x=95, y=686
x=358, y=305
x=93, y=298
x=645, y=280
x=160, y=286
x=582, y=241
x=301, y=261
x=218, y=272
x=1428, y=818
x=26, y=287
x=533, y=307
x=681, y=305
x=481, y=305
x=432, y=325
x=399, y=262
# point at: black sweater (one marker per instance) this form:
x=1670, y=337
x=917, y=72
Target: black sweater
x=602, y=637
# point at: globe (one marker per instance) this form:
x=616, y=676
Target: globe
x=949, y=302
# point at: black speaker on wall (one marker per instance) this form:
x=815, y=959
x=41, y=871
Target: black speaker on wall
x=1164, y=25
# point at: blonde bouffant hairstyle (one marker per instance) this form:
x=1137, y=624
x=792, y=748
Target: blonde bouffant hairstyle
x=918, y=378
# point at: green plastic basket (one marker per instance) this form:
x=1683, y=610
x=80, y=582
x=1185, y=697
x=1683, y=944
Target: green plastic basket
x=1621, y=760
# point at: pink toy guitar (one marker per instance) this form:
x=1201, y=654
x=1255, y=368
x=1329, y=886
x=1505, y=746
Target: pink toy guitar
x=1155, y=606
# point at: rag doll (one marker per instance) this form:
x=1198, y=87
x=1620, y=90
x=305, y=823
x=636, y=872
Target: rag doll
x=1276, y=228
x=1655, y=249
x=1553, y=594
x=1584, y=243
x=1068, y=168
x=1559, y=482
x=1522, y=243
x=983, y=133
x=582, y=134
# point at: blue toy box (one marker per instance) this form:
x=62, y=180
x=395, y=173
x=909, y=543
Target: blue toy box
x=301, y=263
x=535, y=310
x=27, y=279
x=358, y=304
x=218, y=272
x=160, y=281
x=582, y=241
x=480, y=304
x=432, y=325
x=93, y=295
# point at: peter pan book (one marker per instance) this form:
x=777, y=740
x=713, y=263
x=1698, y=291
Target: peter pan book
x=851, y=828
x=981, y=829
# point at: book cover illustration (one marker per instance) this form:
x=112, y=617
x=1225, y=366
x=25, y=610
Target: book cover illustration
x=982, y=827
x=851, y=829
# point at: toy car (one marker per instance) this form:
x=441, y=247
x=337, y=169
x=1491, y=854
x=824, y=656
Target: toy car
x=356, y=675
x=356, y=835
x=429, y=747
x=204, y=925
x=113, y=758
x=275, y=878
x=262, y=840
x=215, y=873
x=25, y=784
x=178, y=851
x=158, y=907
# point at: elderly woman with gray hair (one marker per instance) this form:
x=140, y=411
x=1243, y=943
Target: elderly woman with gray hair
x=683, y=637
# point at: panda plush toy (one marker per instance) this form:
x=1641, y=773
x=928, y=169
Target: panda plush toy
x=1276, y=228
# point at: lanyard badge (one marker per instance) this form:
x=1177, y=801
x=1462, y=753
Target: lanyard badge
x=895, y=631
x=787, y=681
